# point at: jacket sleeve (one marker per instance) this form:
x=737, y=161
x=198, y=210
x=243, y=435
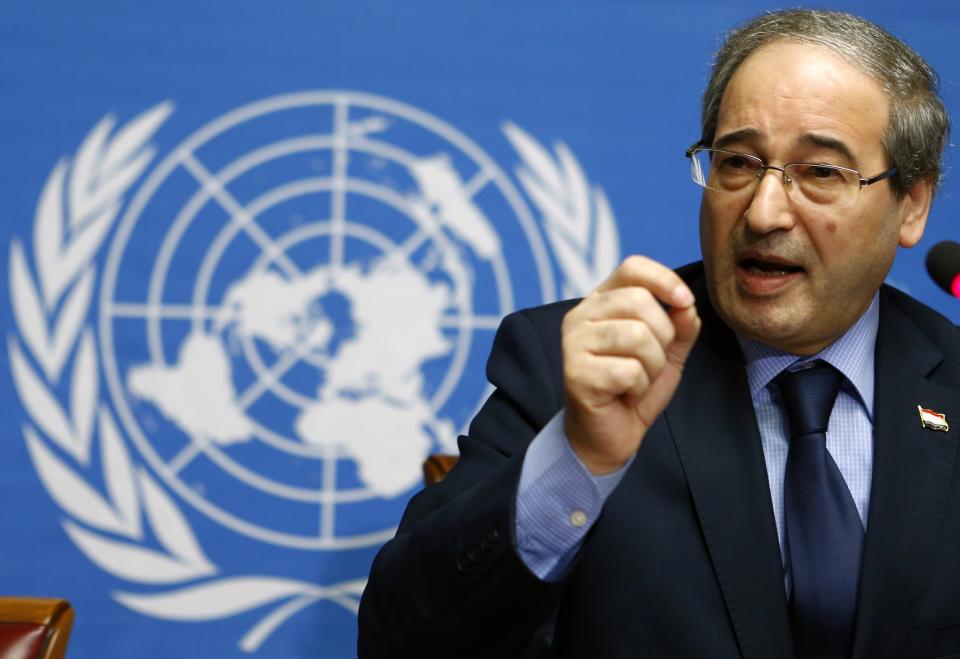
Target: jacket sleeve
x=451, y=583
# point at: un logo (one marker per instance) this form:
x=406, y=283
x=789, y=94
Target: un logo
x=273, y=330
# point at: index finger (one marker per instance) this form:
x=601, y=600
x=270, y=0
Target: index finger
x=665, y=284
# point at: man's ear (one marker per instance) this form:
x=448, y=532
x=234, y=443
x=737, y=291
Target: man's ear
x=914, y=208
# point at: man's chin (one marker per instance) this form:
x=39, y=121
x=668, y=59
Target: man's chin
x=776, y=325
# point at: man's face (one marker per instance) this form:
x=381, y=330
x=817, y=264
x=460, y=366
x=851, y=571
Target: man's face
x=780, y=269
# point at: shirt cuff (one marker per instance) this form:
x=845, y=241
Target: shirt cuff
x=558, y=501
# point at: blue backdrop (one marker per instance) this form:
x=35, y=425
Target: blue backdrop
x=255, y=254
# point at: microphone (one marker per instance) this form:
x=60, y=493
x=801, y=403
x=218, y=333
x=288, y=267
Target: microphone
x=943, y=266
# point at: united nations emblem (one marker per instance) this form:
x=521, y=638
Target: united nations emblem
x=277, y=322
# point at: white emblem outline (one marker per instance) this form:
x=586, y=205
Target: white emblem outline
x=184, y=155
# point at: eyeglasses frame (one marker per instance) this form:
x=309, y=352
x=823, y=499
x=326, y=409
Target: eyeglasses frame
x=761, y=172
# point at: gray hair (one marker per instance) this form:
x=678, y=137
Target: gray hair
x=919, y=123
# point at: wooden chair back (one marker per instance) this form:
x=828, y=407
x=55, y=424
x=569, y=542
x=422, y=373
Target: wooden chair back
x=34, y=627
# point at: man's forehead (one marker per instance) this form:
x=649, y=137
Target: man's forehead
x=803, y=67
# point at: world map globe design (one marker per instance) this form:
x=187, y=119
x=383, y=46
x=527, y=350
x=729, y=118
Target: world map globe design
x=292, y=300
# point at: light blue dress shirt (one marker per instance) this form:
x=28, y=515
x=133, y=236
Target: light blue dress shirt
x=558, y=499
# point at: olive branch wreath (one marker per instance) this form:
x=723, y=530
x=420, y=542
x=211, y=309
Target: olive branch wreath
x=53, y=357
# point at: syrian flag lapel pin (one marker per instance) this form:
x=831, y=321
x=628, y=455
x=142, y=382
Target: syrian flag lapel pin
x=932, y=420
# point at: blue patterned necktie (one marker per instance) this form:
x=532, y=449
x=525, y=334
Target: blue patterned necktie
x=824, y=534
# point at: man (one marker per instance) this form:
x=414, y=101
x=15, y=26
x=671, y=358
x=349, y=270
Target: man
x=641, y=483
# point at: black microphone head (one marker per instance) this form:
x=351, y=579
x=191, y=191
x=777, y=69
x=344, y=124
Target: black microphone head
x=943, y=265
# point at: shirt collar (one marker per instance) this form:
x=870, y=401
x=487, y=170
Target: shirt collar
x=852, y=354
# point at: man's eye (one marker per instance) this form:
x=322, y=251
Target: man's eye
x=735, y=162
x=821, y=172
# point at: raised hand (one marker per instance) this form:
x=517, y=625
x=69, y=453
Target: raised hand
x=624, y=347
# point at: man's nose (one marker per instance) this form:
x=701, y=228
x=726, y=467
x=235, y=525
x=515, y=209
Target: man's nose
x=770, y=209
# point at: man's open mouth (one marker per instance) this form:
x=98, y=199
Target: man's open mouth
x=767, y=268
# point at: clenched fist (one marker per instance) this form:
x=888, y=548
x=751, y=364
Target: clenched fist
x=624, y=347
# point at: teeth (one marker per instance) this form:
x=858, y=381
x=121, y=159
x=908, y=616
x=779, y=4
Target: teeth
x=761, y=271
x=766, y=268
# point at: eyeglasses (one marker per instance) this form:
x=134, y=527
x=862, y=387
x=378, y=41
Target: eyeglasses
x=823, y=185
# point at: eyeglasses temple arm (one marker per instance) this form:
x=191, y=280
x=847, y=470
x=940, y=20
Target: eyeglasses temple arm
x=879, y=177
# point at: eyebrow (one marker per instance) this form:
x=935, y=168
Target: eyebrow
x=822, y=141
x=830, y=143
x=742, y=135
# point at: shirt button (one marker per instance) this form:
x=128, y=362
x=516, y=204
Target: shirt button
x=578, y=518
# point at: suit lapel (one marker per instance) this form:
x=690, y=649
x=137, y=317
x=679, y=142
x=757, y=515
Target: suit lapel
x=912, y=470
x=714, y=428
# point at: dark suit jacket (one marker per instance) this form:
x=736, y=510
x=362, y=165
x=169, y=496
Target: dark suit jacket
x=684, y=560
